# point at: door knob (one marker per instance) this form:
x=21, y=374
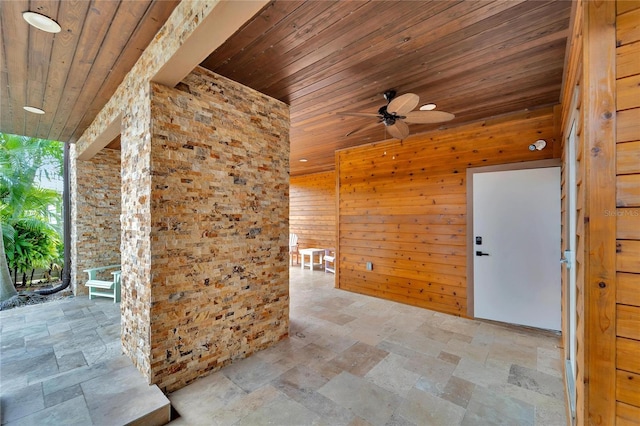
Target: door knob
x=479, y=253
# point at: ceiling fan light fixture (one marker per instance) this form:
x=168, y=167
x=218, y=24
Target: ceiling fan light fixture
x=428, y=107
x=33, y=109
x=41, y=22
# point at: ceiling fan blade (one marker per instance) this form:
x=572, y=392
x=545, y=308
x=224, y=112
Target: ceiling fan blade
x=427, y=117
x=360, y=129
x=399, y=130
x=359, y=114
x=403, y=104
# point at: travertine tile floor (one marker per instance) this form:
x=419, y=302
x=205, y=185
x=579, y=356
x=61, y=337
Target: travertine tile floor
x=357, y=360
x=350, y=360
x=61, y=363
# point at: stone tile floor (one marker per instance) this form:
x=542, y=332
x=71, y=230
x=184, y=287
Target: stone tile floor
x=350, y=360
x=61, y=364
x=357, y=360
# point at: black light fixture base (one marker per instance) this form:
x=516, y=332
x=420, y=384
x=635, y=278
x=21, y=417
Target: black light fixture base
x=389, y=95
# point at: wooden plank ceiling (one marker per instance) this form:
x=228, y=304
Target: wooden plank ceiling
x=476, y=59
x=72, y=74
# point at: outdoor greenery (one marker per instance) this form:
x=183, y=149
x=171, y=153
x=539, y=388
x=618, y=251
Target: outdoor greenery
x=31, y=215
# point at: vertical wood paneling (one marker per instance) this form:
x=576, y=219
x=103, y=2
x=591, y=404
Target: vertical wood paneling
x=600, y=244
x=628, y=213
x=402, y=206
x=312, y=209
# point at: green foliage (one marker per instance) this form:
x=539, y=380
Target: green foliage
x=33, y=244
x=23, y=162
x=31, y=215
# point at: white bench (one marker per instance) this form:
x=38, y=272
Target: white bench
x=103, y=288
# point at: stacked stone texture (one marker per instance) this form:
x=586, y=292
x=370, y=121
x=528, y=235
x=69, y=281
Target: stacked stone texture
x=136, y=227
x=239, y=272
x=209, y=270
x=95, y=209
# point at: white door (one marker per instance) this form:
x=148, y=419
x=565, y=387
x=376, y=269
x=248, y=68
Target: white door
x=569, y=260
x=516, y=214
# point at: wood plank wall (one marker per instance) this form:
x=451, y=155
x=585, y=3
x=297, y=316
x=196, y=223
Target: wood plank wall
x=628, y=213
x=402, y=206
x=312, y=209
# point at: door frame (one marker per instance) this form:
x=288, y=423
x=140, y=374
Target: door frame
x=539, y=164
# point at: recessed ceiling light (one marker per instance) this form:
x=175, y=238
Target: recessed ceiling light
x=41, y=22
x=33, y=109
x=428, y=107
x=303, y=160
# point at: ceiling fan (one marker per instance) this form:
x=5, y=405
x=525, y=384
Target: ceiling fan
x=398, y=112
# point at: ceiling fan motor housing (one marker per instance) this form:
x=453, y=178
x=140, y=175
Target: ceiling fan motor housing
x=387, y=118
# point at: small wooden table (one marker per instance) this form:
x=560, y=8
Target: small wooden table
x=311, y=252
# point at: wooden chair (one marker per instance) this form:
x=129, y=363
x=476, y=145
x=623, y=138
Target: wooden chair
x=104, y=288
x=293, y=248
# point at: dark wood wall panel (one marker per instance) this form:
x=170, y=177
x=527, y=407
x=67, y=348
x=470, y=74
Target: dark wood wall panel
x=402, y=206
x=628, y=213
x=312, y=209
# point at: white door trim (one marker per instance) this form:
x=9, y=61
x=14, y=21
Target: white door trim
x=540, y=164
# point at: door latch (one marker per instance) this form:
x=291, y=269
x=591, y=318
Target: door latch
x=567, y=259
x=479, y=253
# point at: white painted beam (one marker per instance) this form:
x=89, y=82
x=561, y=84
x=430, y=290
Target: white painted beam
x=224, y=20
x=102, y=140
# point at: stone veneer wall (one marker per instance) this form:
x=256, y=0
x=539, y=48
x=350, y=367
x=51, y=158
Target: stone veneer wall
x=95, y=210
x=205, y=238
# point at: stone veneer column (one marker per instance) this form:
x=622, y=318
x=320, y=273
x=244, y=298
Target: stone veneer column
x=135, y=144
x=205, y=227
x=95, y=210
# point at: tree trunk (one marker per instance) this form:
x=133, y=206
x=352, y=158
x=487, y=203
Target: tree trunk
x=7, y=290
x=33, y=271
